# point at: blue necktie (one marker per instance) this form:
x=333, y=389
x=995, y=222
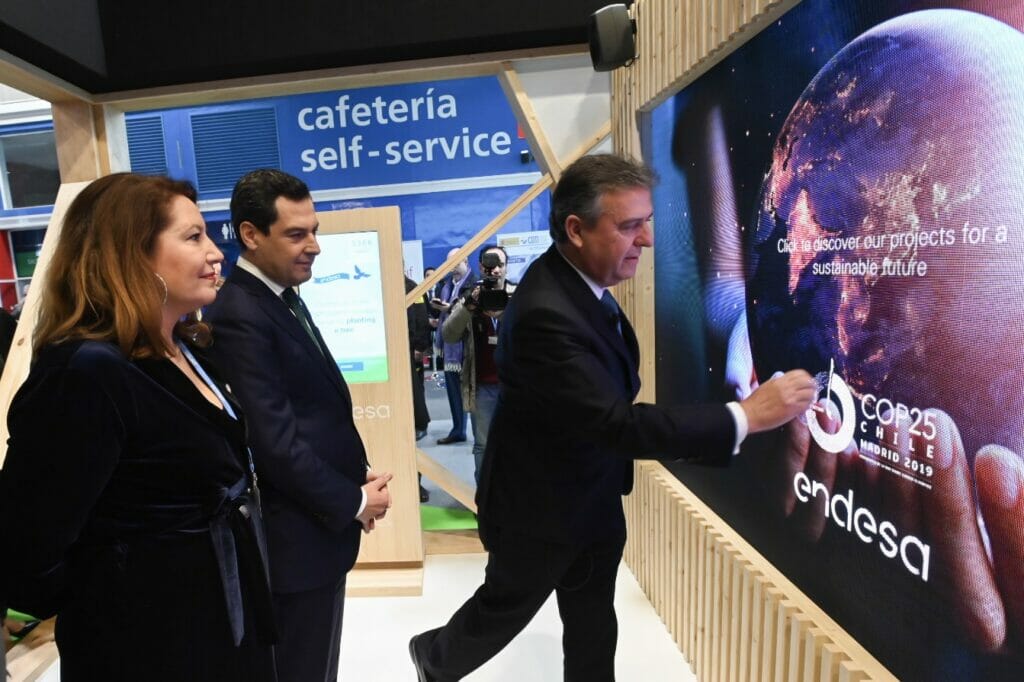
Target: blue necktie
x=612, y=310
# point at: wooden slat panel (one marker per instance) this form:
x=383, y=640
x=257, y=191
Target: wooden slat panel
x=752, y=671
x=720, y=588
x=673, y=41
x=737, y=614
x=648, y=531
x=814, y=641
x=701, y=603
x=689, y=580
x=647, y=54
x=769, y=633
x=677, y=528
x=831, y=657
x=784, y=618
x=850, y=672
x=658, y=558
x=743, y=632
x=798, y=626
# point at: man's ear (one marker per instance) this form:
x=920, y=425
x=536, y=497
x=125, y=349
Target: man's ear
x=574, y=230
x=250, y=235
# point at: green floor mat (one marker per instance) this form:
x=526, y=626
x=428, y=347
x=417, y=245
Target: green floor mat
x=18, y=615
x=444, y=518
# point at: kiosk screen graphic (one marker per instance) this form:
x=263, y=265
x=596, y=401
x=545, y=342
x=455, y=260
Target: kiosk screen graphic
x=346, y=298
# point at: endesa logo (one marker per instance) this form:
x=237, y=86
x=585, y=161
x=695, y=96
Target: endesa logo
x=832, y=387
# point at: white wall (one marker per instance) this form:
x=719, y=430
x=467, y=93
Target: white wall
x=18, y=107
x=571, y=100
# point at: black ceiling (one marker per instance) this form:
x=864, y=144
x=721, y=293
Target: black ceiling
x=110, y=45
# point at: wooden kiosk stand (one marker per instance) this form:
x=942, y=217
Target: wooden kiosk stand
x=391, y=558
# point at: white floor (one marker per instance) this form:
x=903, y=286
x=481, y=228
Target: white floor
x=374, y=643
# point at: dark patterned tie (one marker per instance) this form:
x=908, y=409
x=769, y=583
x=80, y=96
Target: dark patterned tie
x=612, y=310
x=298, y=308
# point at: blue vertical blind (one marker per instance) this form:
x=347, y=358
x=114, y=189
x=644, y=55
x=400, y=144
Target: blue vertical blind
x=231, y=143
x=146, y=149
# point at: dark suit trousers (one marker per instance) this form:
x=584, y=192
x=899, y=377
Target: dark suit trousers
x=522, y=572
x=309, y=633
x=453, y=386
x=421, y=417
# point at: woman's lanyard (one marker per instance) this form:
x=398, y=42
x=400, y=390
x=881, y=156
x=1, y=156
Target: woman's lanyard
x=220, y=396
x=206, y=379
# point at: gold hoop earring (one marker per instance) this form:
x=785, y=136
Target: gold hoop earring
x=164, y=282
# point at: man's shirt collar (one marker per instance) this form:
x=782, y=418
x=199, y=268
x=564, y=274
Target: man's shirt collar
x=594, y=286
x=251, y=268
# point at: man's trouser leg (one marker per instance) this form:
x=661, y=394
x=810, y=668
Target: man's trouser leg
x=521, y=574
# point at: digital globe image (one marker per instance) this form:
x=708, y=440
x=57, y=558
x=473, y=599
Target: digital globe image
x=888, y=240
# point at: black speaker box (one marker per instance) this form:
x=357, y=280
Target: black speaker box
x=612, y=38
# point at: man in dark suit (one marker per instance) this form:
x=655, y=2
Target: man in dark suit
x=565, y=431
x=318, y=490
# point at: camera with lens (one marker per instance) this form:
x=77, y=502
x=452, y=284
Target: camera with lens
x=493, y=295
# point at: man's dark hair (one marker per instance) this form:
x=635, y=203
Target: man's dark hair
x=580, y=188
x=492, y=247
x=255, y=194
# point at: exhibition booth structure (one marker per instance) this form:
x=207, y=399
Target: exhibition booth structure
x=839, y=189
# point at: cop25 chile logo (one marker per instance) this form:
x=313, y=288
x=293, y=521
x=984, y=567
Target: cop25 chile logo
x=839, y=396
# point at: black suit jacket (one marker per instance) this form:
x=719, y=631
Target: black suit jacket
x=309, y=456
x=565, y=428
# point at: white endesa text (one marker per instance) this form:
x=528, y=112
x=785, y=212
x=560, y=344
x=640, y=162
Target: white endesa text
x=911, y=550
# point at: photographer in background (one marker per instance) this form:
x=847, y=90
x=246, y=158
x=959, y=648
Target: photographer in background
x=475, y=319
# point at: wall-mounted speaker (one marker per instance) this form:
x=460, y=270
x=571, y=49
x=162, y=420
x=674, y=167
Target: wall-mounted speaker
x=612, y=38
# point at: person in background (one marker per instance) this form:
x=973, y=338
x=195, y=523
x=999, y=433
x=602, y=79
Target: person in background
x=8, y=328
x=459, y=278
x=432, y=318
x=16, y=310
x=130, y=452
x=419, y=343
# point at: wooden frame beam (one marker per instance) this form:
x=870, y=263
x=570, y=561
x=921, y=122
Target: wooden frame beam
x=527, y=117
x=464, y=493
x=32, y=80
x=545, y=182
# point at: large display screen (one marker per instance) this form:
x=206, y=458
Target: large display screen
x=346, y=297
x=845, y=194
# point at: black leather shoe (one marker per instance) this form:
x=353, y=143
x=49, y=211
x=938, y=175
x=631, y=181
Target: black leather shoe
x=448, y=440
x=420, y=435
x=421, y=674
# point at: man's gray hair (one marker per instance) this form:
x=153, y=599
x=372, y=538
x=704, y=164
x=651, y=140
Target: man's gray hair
x=580, y=188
